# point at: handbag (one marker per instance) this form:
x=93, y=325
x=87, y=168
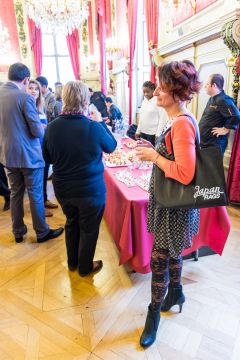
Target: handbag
x=207, y=189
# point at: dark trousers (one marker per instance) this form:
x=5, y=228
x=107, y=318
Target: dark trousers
x=4, y=189
x=150, y=138
x=45, y=177
x=223, y=142
x=84, y=216
x=32, y=179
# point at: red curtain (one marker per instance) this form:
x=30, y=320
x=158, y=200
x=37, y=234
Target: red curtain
x=233, y=179
x=101, y=12
x=73, y=47
x=8, y=19
x=36, y=45
x=90, y=28
x=109, y=28
x=108, y=19
x=132, y=28
x=152, y=16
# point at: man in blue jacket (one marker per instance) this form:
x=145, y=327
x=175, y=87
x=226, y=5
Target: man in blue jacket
x=220, y=115
x=21, y=153
x=114, y=113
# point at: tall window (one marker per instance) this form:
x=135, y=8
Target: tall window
x=142, y=53
x=56, y=61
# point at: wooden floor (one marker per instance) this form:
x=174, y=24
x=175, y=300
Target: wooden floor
x=48, y=313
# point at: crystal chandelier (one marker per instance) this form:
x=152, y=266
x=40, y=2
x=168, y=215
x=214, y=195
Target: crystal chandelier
x=4, y=39
x=57, y=15
x=113, y=52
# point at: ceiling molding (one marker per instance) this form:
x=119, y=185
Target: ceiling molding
x=179, y=49
x=199, y=35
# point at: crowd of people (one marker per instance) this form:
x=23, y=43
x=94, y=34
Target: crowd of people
x=70, y=128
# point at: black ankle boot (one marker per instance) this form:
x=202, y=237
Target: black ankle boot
x=150, y=330
x=174, y=296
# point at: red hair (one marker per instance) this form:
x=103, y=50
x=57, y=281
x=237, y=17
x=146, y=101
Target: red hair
x=179, y=78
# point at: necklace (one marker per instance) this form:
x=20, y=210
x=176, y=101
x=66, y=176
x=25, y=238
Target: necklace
x=172, y=118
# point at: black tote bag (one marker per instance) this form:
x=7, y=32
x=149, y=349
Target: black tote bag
x=207, y=189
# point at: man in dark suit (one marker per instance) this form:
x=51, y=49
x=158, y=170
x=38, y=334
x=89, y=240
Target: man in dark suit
x=21, y=153
x=49, y=98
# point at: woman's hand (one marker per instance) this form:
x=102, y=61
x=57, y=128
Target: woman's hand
x=146, y=154
x=144, y=143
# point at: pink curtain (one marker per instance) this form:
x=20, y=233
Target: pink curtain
x=108, y=19
x=152, y=16
x=73, y=48
x=36, y=45
x=132, y=28
x=101, y=11
x=233, y=179
x=90, y=28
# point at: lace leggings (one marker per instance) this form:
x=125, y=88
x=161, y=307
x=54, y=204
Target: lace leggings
x=164, y=269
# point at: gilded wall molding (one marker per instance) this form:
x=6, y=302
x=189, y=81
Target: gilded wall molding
x=84, y=32
x=230, y=39
x=113, y=16
x=18, y=6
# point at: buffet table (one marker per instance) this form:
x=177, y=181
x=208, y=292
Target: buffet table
x=126, y=214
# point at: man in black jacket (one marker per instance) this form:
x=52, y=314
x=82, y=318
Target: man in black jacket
x=98, y=99
x=220, y=115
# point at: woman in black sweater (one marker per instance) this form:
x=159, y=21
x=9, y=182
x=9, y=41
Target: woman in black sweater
x=74, y=145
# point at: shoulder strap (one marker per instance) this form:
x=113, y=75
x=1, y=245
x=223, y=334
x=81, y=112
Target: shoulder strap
x=196, y=129
x=197, y=140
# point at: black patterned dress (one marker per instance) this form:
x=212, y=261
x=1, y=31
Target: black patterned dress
x=173, y=229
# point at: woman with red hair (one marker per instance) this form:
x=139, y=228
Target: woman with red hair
x=173, y=229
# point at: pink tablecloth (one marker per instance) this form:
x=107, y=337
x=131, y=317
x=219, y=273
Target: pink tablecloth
x=126, y=214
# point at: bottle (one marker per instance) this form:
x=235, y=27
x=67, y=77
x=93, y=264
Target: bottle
x=113, y=126
x=117, y=127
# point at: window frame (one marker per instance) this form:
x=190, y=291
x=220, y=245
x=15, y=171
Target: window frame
x=55, y=55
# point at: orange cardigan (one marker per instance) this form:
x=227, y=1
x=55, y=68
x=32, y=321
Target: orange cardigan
x=183, y=136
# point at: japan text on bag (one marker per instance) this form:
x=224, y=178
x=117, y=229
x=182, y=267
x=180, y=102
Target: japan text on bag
x=207, y=189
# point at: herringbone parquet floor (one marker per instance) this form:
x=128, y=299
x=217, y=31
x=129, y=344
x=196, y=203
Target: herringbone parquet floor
x=49, y=313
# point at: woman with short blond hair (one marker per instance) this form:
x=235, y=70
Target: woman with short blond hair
x=74, y=145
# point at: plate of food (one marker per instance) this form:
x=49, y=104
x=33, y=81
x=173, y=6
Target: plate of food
x=130, y=144
x=116, y=159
